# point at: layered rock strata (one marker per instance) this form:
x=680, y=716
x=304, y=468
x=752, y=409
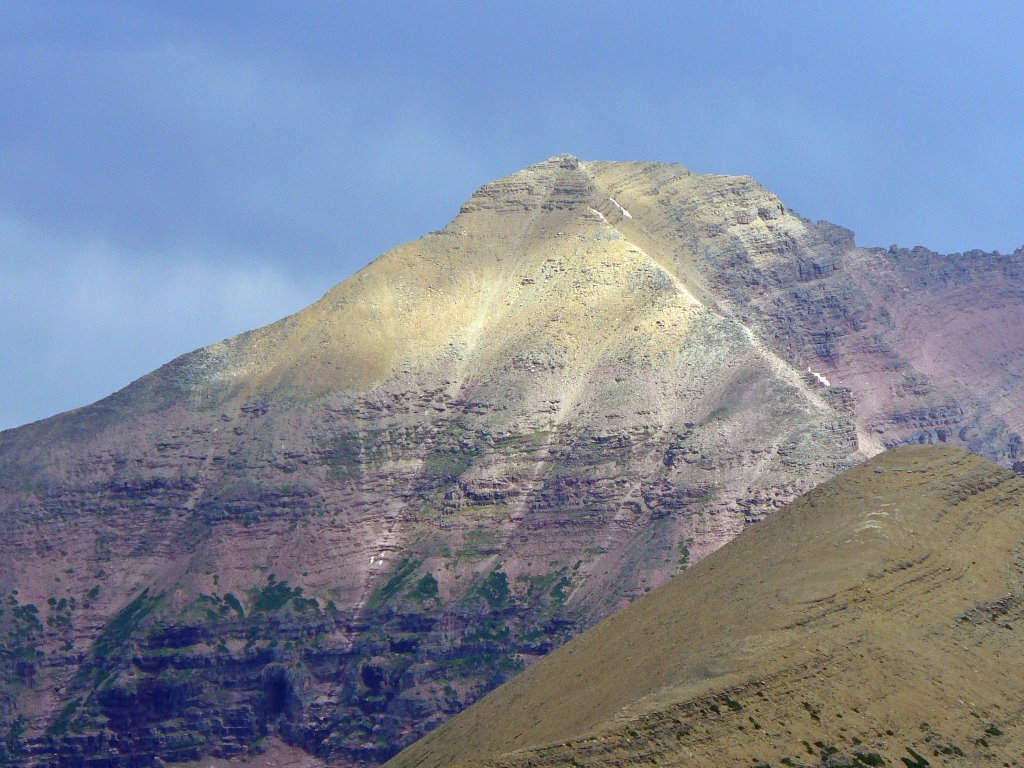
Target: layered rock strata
x=340, y=529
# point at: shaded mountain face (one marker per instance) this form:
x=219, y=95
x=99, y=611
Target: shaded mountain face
x=338, y=530
x=875, y=621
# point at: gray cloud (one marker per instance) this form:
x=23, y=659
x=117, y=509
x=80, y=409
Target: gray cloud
x=273, y=152
x=77, y=313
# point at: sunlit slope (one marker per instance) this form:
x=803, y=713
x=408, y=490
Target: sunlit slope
x=929, y=344
x=538, y=269
x=878, y=616
x=485, y=441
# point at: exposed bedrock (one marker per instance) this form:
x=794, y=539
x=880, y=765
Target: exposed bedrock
x=337, y=531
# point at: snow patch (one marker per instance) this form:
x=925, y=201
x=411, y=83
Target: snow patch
x=599, y=215
x=874, y=520
x=819, y=377
x=622, y=210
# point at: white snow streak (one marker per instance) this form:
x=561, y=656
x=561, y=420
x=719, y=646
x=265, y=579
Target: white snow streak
x=819, y=377
x=622, y=210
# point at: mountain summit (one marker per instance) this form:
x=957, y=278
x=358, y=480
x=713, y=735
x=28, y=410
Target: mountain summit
x=338, y=530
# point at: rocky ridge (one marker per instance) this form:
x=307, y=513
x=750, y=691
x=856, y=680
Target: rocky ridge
x=339, y=530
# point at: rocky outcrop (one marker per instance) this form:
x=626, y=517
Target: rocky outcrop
x=925, y=342
x=341, y=529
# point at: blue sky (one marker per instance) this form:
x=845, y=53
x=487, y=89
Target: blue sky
x=174, y=173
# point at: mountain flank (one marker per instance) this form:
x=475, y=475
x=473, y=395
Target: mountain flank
x=874, y=621
x=337, y=531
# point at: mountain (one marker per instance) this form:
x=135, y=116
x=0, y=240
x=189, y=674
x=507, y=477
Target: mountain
x=874, y=621
x=332, y=533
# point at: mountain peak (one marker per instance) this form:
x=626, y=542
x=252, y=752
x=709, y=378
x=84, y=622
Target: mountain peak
x=559, y=182
x=569, y=162
x=483, y=442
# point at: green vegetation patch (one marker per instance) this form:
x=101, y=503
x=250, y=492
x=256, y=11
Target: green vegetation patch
x=871, y=759
x=277, y=594
x=341, y=454
x=732, y=704
x=60, y=613
x=209, y=608
x=450, y=464
x=684, y=552
x=403, y=570
x=214, y=609
x=121, y=627
x=494, y=589
x=233, y=603
x=480, y=654
x=478, y=542
x=12, y=743
x=21, y=628
x=62, y=722
x=547, y=592
x=426, y=589
x=915, y=760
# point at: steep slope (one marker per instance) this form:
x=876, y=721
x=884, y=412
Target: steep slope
x=342, y=528
x=876, y=619
x=929, y=344
x=955, y=320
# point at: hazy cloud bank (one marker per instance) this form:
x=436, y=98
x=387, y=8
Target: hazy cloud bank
x=77, y=313
x=270, y=151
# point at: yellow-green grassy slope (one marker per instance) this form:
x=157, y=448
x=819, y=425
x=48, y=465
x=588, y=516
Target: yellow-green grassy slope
x=877, y=620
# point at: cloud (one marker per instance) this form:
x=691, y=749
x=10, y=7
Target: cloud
x=85, y=320
x=193, y=166
x=163, y=194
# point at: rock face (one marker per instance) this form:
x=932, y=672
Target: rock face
x=341, y=529
x=875, y=621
